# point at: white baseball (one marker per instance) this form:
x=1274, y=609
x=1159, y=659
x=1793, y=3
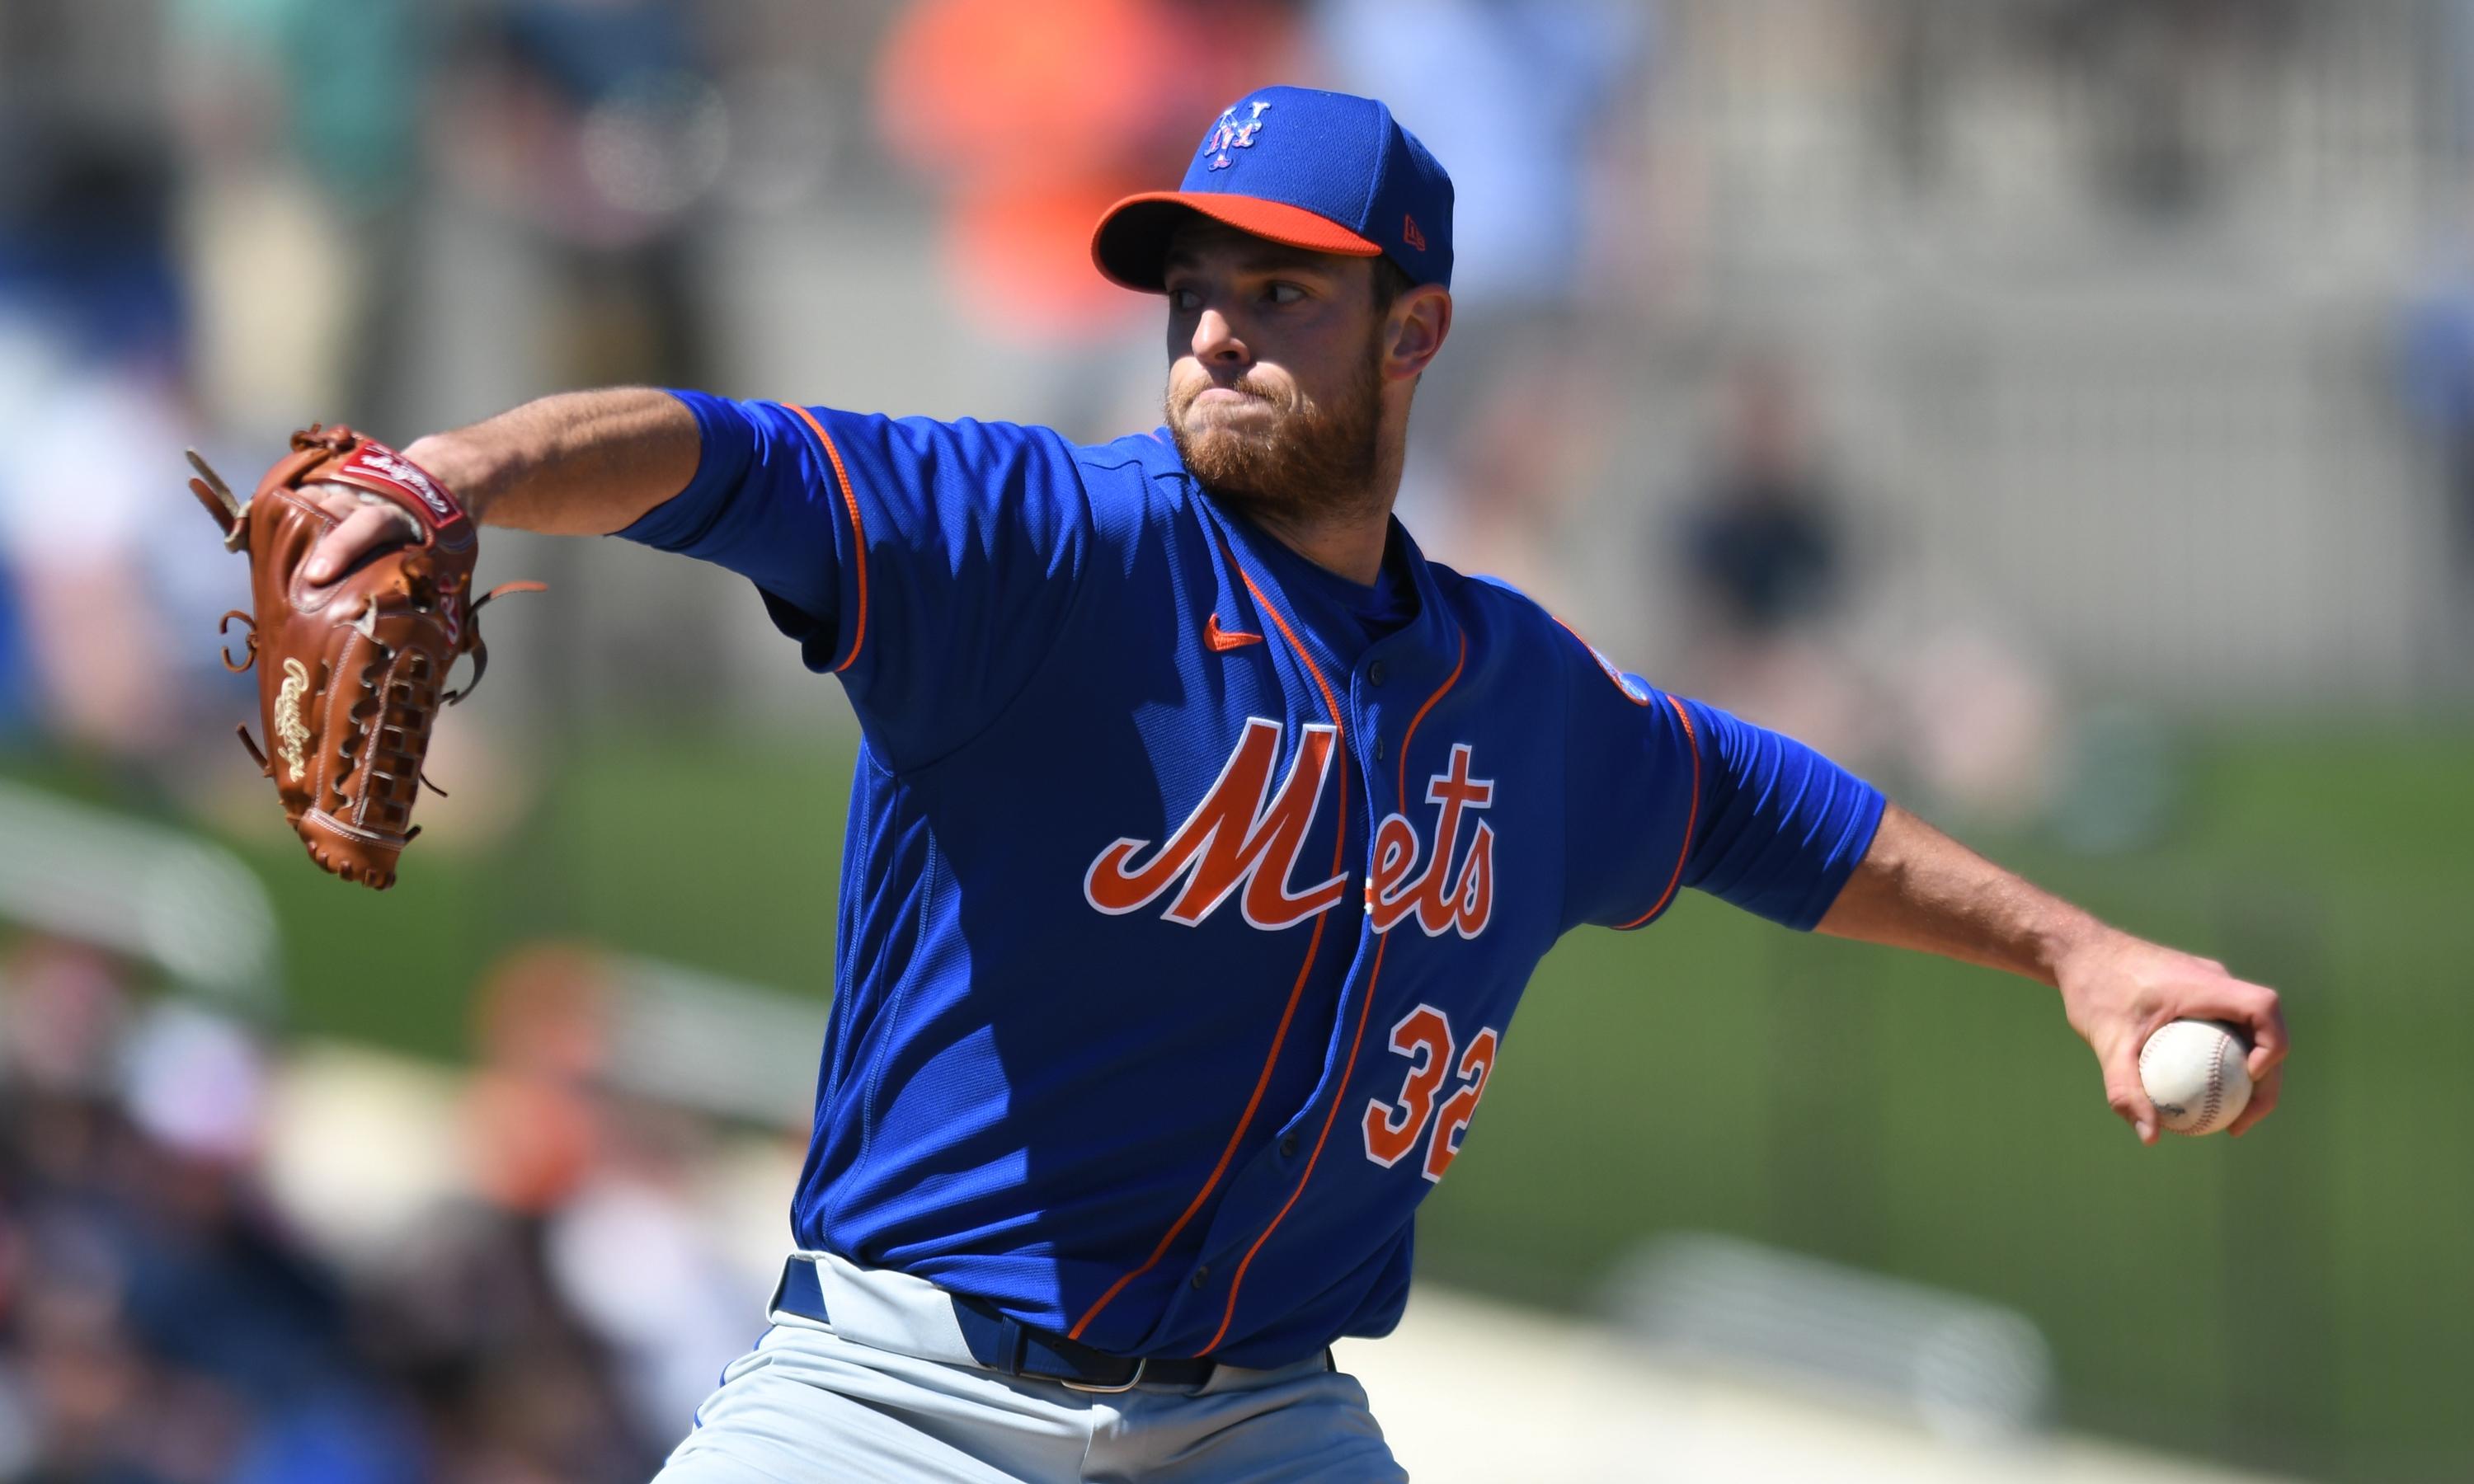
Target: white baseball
x=2193, y=1072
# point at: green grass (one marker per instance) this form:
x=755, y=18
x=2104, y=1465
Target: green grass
x=718, y=855
x=2298, y=1299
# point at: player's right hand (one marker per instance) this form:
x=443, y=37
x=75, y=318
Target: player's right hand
x=2119, y=990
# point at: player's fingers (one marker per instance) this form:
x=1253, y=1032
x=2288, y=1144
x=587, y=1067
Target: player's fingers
x=341, y=502
x=2124, y=1095
x=2267, y=1037
x=368, y=529
x=2264, y=1094
x=2253, y=1007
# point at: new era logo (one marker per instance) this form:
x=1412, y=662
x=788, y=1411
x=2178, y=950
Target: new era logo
x=1410, y=235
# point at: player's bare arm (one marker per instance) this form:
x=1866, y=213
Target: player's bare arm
x=1917, y=888
x=577, y=464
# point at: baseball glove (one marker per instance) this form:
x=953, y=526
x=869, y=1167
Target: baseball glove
x=348, y=704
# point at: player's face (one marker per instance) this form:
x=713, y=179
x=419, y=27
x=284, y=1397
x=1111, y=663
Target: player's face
x=1274, y=383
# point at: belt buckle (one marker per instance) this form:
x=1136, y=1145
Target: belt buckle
x=1098, y=1390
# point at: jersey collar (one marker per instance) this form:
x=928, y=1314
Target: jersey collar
x=1430, y=641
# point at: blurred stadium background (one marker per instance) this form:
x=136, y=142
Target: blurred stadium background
x=2061, y=409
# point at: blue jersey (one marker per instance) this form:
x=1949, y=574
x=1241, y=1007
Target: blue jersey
x=1183, y=907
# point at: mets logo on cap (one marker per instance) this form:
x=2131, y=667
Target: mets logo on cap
x=1230, y=133
x=1341, y=176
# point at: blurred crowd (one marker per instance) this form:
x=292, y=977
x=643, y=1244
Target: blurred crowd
x=177, y=1307
x=225, y=217
x=220, y=214
x=222, y=219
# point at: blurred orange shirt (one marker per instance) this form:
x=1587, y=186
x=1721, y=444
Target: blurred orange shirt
x=1034, y=119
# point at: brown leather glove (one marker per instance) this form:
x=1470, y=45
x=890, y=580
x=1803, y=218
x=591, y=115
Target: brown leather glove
x=348, y=704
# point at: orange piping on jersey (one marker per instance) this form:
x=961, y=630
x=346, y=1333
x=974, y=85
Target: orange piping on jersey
x=858, y=536
x=1288, y=1012
x=1691, y=816
x=1338, y=1096
x=1374, y=972
x=1450, y=681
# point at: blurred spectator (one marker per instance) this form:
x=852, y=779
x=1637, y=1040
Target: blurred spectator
x=1522, y=101
x=541, y=1034
x=595, y=124
x=300, y=127
x=1490, y=487
x=101, y=590
x=1887, y=674
x=86, y=183
x=162, y=1324
x=17, y=686
x=2436, y=371
x=2436, y=377
x=1029, y=121
x=1977, y=721
x=1762, y=544
x=681, y=1312
x=608, y=1178
x=511, y=1387
x=1514, y=96
x=91, y=345
x=61, y=1011
x=158, y=1325
x=1762, y=555
x=2172, y=89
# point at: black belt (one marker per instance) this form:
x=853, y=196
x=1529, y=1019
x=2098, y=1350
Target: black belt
x=1013, y=1349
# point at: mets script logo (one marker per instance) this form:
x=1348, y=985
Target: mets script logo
x=1244, y=838
x=1229, y=135
x=1440, y=899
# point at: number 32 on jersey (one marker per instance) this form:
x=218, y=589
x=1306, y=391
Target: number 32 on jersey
x=1392, y=1129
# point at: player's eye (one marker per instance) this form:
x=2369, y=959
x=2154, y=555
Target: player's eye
x=1286, y=293
x=1184, y=301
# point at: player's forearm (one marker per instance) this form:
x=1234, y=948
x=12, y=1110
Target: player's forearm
x=577, y=464
x=1917, y=888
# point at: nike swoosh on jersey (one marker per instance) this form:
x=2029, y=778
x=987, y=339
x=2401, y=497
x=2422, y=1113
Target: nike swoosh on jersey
x=1226, y=640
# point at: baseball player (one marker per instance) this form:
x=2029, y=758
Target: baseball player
x=1202, y=840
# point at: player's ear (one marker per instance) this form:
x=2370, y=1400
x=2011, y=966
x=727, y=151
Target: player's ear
x=1415, y=329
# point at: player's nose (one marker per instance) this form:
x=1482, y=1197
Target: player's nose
x=1215, y=339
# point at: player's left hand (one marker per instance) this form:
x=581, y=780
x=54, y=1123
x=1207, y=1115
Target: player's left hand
x=2118, y=989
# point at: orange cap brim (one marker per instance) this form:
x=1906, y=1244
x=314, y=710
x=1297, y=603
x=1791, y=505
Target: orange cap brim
x=1132, y=240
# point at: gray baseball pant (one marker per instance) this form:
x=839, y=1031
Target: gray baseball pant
x=888, y=1392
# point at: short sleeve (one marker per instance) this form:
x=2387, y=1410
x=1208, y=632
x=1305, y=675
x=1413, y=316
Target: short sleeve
x=927, y=565
x=1667, y=792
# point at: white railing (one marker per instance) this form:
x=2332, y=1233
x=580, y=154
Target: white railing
x=157, y=895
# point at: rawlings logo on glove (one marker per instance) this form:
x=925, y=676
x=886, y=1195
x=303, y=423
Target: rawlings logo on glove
x=349, y=704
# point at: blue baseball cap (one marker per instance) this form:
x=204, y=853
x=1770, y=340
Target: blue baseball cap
x=1328, y=172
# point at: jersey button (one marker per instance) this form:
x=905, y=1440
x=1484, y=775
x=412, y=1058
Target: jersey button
x=1289, y=1147
x=1374, y=673
x=1378, y=749
x=1202, y=1276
